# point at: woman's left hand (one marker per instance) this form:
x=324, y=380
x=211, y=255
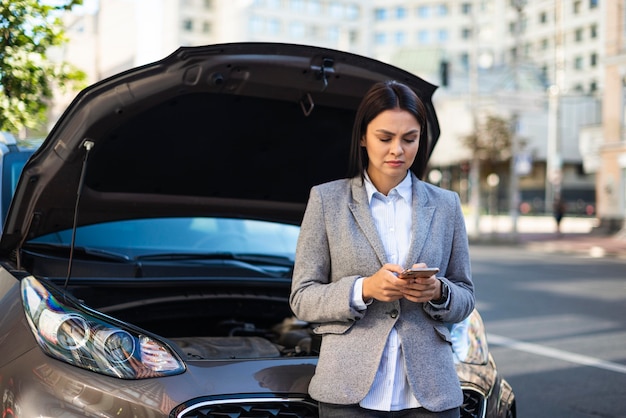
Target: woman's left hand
x=422, y=289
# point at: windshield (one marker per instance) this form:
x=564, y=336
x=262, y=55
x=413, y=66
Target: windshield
x=142, y=237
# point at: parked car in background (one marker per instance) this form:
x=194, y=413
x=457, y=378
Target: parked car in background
x=12, y=160
x=146, y=259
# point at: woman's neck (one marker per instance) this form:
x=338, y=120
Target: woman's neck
x=384, y=184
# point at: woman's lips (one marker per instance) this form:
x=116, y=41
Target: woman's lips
x=395, y=163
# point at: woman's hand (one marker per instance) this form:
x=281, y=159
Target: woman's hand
x=422, y=289
x=386, y=286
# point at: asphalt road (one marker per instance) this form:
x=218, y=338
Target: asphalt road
x=556, y=326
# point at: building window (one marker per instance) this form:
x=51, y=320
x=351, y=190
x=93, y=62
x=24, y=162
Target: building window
x=578, y=35
x=593, y=31
x=313, y=7
x=400, y=38
x=593, y=86
x=423, y=36
x=296, y=5
x=465, y=60
x=206, y=27
x=255, y=24
x=512, y=27
x=466, y=33
x=380, y=38
x=354, y=36
x=578, y=63
x=543, y=18
x=353, y=12
x=593, y=4
x=188, y=25
x=296, y=30
x=400, y=12
x=273, y=26
x=423, y=12
x=593, y=59
x=380, y=14
x=443, y=35
x=442, y=10
x=544, y=44
x=208, y=4
x=466, y=8
x=333, y=34
x=576, y=7
x=336, y=10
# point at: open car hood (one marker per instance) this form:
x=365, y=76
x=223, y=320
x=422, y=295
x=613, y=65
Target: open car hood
x=241, y=130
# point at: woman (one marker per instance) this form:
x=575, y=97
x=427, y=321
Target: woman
x=386, y=350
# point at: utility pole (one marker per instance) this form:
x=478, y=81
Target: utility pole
x=554, y=164
x=474, y=174
x=514, y=198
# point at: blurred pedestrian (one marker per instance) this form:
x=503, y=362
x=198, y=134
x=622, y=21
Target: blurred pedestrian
x=559, y=213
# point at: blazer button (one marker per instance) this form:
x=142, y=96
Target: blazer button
x=393, y=313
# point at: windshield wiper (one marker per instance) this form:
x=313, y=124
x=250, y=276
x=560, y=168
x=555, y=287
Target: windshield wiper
x=82, y=252
x=266, y=259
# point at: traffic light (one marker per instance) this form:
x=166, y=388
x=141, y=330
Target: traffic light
x=443, y=72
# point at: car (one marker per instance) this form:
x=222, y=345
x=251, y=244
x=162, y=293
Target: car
x=146, y=259
x=12, y=160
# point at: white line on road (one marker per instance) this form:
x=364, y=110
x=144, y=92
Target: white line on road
x=554, y=353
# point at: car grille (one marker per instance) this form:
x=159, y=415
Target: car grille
x=264, y=407
x=473, y=404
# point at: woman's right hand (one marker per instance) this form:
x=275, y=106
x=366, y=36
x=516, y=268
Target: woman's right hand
x=385, y=285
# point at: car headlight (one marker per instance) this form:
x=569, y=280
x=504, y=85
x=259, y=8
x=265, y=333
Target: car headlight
x=469, y=340
x=73, y=334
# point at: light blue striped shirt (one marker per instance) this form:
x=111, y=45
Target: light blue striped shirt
x=392, y=216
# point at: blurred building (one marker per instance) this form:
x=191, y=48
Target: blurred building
x=545, y=65
x=610, y=141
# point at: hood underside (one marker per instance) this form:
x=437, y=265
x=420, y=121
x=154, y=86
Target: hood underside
x=220, y=130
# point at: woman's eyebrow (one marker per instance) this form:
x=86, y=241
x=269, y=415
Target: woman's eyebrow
x=384, y=131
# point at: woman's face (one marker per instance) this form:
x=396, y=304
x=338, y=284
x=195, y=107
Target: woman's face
x=392, y=142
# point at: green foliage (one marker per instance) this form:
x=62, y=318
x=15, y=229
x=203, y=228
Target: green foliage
x=28, y=28
x=491, y=140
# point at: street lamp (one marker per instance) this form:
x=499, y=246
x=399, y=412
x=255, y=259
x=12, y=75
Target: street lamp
x=514, y=198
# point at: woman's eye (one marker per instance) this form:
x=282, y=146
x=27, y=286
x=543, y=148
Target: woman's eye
x=410, y=140
x=385, y=139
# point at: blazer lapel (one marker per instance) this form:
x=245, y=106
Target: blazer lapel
x=361, y=211
x=421, y=218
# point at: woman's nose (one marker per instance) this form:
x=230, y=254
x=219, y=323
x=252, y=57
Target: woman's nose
x=396, y=147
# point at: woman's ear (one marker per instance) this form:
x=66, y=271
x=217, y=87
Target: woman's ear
x=362, y=141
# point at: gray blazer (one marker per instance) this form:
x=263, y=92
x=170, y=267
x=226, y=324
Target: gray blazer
x=338, y=243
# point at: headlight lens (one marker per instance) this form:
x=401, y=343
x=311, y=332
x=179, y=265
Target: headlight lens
x=469, y=340
x=67, y=332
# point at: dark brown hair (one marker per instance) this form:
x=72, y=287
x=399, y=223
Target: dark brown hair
x=387, y=95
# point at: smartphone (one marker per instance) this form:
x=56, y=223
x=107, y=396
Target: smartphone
x=420, y=272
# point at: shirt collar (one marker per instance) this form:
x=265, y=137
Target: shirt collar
x=404, y=189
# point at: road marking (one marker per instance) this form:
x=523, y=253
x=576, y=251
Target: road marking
x=554, y=353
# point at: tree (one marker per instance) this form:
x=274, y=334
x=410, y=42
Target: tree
x=490, y=143
x=28, y=28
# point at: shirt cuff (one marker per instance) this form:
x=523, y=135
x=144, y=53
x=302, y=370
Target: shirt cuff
x=357, y=295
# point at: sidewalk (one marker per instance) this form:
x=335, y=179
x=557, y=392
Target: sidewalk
x=538, y=233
